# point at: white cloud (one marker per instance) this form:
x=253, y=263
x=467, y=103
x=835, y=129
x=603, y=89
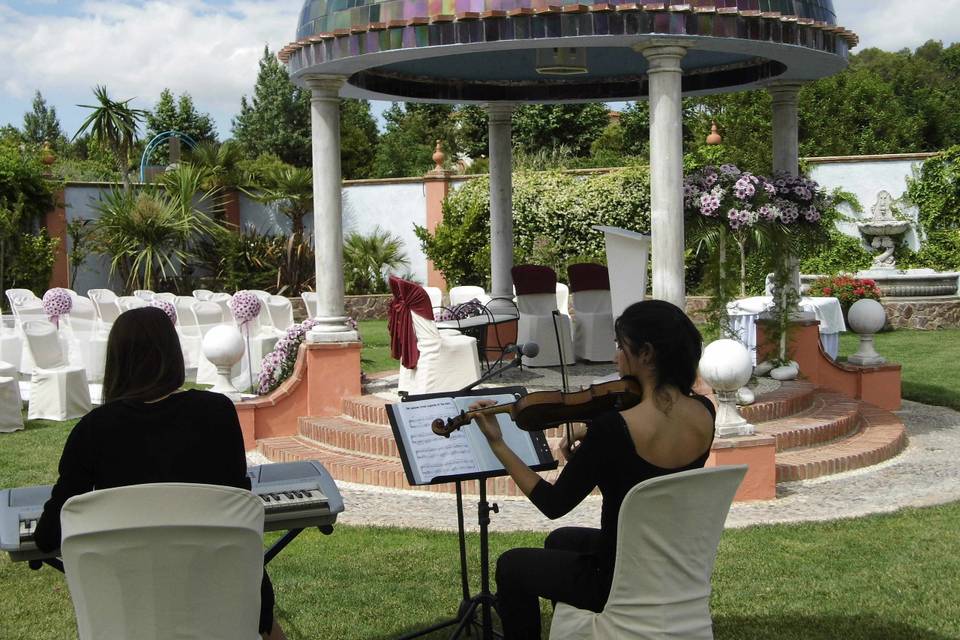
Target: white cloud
x=209, y=49
x=893, y=25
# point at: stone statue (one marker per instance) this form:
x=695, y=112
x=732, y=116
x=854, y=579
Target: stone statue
x=882, y=230
x=883, y=208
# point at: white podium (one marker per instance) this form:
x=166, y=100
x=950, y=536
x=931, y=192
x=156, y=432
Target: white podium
x=627, y=256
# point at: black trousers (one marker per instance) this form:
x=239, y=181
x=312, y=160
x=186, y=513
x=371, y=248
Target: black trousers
x=565, y=570
x=266, y=604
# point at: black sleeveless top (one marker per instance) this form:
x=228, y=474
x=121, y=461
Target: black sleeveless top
x=606, y=458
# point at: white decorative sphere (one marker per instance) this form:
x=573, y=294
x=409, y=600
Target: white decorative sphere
x=786, y=372
x=223, y=345
x=745, y=396
x=726, y=365
x=866, y=316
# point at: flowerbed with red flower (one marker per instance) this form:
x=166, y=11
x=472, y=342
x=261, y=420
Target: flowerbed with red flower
x=846, y=289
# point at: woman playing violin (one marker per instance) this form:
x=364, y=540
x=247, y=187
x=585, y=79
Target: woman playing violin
x=670, y=430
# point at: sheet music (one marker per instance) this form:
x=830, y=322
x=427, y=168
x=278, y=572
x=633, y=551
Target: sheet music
x=519, y=441
x=429, y=454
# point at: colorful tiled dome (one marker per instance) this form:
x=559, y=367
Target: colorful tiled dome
x=487, y=50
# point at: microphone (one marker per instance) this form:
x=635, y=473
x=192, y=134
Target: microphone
x=526, y=349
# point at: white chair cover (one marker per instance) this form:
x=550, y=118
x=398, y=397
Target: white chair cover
x=11, y=344
x=166, y=296
x=435, y=295
x=187, y=331
x=202, y=294
x=563, y=298
x=223, y=300
x=58, y=391
x=130, y=302
x=310, y=302
x=11, y=417
x=593, y=335
x=144, y=294
x=108, y=309
x=447, y=362
x=87, y=345
x=164, y=562
x=536, y=325
x=466, y=293
x=281, y=312
x=25, y=307
x=667, y=536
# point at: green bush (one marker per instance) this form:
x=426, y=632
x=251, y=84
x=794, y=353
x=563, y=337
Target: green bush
x=841, y=254
x=940, y=251
x=34, y=263
x=936, y=191
x=552, y=204
x=280, y=264
x=367, y=258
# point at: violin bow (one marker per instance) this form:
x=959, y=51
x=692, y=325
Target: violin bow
x=563, y=370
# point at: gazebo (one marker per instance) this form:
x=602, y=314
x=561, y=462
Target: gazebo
x=502, y=52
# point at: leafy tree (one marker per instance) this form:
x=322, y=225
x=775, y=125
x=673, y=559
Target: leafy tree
x=41, y=124
x=276, y=121
x=178, y=114
x=113, y=125
x=358, y=139
x=635, y=123
x=472, y=131
x=575, y=126
x=277, y=118
x=406, y=147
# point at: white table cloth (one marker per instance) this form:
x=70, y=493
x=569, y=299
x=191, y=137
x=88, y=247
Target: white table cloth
x=744, y=313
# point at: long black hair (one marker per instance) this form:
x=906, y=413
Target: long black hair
x=144, y=358
x=675, y=340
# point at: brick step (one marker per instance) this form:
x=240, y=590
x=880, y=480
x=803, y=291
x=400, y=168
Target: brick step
x=367, y=408
x=347, y=434
x=881, y=437
x=831, y=417
x=381, y=472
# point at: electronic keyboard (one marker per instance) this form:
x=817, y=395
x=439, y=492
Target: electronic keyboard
x=295, y=495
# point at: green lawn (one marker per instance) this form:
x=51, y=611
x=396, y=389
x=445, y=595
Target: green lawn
x=930, y=359
x=375, y=355
x=883, y=577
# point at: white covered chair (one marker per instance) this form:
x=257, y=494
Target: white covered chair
x=222, y=299
x=11, y=416
x=188, y=331
x=537, y=300
x=25, y=307
x=11, y=344
x=667, y=536
x=144, y=294
x=593, y=335
x=202, y=294
x=281, y=312
x=130, y=302
x=310, y=302
x=58, y=391
x=108, y=309
x=563, y=298
x=166, y=296
x=441, y=361
x=466, y=293
x=86, y=343
x=164, y=561
x=435, y=295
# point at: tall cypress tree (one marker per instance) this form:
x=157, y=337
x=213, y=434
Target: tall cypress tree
x=41, y=124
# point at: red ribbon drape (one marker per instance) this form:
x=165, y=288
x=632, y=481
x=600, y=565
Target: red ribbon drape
x=408, y=297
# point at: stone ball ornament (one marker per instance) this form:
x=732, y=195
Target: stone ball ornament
x=726, y=365
x=224, y=347
x=866, y=316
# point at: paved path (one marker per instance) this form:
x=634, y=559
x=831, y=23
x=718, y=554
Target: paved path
x=927, y=473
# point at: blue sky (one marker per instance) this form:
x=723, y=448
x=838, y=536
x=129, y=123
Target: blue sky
x=210, y=48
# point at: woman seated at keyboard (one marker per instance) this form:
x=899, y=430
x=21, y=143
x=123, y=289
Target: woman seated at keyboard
x=149, y=430
x=670, y=430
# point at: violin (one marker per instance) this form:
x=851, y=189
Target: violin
x=544, y=409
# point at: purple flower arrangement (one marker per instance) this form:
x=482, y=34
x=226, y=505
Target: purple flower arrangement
x=462, y=311
x=57, y=302
x=166, y=307
x=278, y=364
x=245, y=306
x=740, y=199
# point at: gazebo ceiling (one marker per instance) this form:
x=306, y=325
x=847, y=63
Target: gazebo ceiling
x=487, y=50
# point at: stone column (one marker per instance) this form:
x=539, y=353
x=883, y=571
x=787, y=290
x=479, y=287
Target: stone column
x=666, y=169
x=786, y=146
x=501, y=200
x=327, y=215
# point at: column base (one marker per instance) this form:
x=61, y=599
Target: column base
x=332, y=329
x=727, y=431
x=866, y=361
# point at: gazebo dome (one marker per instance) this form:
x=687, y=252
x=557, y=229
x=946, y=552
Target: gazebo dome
x=517, y=50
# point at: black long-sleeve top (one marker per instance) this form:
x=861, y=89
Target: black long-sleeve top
x=607, y=459
x=191, y=436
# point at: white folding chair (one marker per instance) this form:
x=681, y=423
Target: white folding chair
x=164, y=561
x=222, y=299
x=466, y=293
x=447, y=361
x=131, y=302
x=58, y=391
x=25, y=307
x=105, y=302
x=187, y=330
x=87, y=344
x=166, y=296
x=310, y=302
x=281, y=312
x=667, y=536
x=593, y=330
x=11, y=416
x=536, y=323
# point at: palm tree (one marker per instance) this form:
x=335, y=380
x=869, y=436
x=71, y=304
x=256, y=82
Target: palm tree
x=292, y=188
x=222, y=163
x=113, y=124
x=367, y=258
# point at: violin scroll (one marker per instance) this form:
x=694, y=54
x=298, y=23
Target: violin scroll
x=444, y=428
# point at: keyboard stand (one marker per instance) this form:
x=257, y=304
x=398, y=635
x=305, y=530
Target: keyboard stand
x=56, y=563
x=289, y=537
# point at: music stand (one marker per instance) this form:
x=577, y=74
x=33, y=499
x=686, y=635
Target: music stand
x=484, y=600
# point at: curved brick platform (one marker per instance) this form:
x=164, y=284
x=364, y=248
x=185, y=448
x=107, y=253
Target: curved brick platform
x=817, y=432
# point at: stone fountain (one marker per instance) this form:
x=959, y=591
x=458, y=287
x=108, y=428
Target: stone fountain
x=882, y=230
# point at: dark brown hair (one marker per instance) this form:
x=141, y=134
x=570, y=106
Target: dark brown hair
x=144, y=359
x=676, y=341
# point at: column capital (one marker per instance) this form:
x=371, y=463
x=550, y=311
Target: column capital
x=785, y=91
x=325, y=86
x=663, y=54
x=499, y=111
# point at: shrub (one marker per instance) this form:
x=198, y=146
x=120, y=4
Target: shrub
x=550, y=204
x=281, y=264
x=846, y=289
x=34, y=264
x=936, y=191
x=940, y=251
x=841, y=254
x=368, y=258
